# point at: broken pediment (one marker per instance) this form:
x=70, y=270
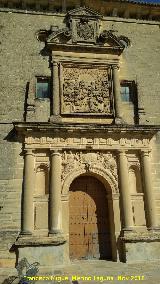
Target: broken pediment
x=108, y=38
x=61, y=36
x=83, y=29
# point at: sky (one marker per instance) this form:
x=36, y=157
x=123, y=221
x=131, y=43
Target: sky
x=148, y=1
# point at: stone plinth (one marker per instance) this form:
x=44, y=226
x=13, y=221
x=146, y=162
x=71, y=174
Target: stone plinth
x=140, y=247
x=48, y=251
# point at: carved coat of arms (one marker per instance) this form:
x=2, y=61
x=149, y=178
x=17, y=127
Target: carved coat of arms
x=85, y=30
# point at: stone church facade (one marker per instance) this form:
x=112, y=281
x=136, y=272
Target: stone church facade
x=79, y=119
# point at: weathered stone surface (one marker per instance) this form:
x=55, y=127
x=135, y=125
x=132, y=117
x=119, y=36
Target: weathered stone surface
x=142, y=251
x=45, y=255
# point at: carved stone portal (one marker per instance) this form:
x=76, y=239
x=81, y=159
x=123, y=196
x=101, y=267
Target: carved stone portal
x=87, y=91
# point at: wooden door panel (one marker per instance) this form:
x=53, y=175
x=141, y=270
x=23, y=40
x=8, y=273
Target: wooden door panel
x=89, y=221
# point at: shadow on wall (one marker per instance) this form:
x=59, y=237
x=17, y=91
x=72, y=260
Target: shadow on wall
x=11, y=136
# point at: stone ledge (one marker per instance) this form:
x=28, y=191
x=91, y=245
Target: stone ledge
x=141, y=237
x=24, y=127
x=54, y=240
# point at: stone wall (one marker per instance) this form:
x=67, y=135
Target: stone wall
x=11, y=174
x=22, y=58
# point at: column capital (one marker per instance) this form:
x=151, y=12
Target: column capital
x=115, y=67
x=55, y=152
x=145, y=152
x=115, y=196
x=121, y=152
x=55, y=63
x=29, y=152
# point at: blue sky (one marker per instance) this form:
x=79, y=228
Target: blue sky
x=148, y=1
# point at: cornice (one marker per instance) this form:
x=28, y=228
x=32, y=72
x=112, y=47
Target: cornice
x=55, y=240
x=125, y=9
x=152, y=236
x=142, y=3
x=74, y=127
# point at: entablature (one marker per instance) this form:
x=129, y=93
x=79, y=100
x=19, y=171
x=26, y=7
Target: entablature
x=86, y=137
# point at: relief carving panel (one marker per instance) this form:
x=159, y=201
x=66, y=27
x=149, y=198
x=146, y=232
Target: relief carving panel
x=86, y=91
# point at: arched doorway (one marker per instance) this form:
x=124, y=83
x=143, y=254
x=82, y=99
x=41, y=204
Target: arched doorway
x=89, y=228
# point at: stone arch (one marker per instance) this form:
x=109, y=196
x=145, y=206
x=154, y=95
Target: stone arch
x=103, y=175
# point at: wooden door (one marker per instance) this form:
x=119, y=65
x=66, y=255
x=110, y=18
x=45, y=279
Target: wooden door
x=89, y=233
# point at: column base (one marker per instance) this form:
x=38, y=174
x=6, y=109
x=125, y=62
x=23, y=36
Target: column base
x=119, y=120
x=26, y=233
x=153, y=229
x=129, y=229
x=55, y=118
x=55, y=232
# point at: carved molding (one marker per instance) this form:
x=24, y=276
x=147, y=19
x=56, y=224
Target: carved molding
x=83, y=141
x=35, y=241
x=141, y=237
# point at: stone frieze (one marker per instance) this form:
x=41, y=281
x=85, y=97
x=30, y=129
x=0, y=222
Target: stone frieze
x=72, y=142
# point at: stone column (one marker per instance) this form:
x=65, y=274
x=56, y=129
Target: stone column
x=148, y=191
x=55, y=193
x=116, y=90
x=28, y=190
x=56, y=100
x=125, y=195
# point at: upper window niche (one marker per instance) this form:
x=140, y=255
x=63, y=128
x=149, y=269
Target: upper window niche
x=42, y=181
x=43, y=88
x=128, y=91
x=135, y=180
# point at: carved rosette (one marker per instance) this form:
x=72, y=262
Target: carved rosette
x=81, y=160
x=86, y=91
